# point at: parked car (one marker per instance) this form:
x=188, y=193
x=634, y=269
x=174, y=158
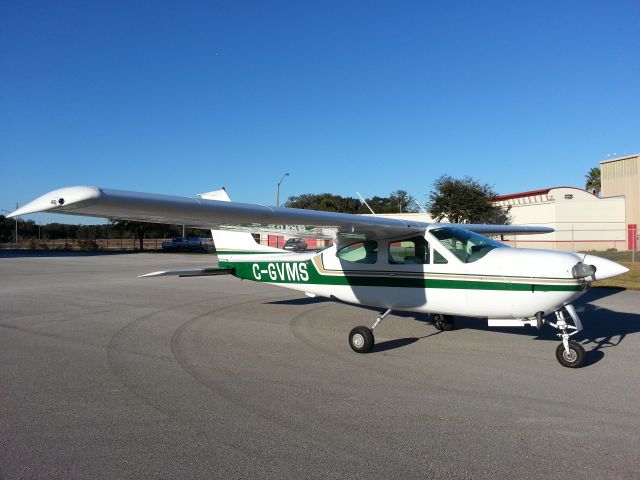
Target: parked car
x=188, y=244
x=296, y=245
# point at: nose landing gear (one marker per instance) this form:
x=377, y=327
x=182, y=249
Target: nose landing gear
x=569, y=353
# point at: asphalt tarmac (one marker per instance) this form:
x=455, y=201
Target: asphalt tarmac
x=105, y=375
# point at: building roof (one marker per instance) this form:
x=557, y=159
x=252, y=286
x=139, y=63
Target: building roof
x=616, y=159
x=532, y=193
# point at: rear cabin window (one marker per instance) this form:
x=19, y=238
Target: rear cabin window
x=413, y=251
x=361, y=252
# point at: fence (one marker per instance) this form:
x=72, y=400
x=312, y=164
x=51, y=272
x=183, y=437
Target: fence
x=623, y=241
x=101, y=244
x=623, y=244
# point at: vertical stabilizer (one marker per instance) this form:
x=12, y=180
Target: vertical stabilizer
x=234, y=243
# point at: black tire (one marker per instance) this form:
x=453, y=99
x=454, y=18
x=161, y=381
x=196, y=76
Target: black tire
x=576, y=356
x=444, y=323
x=361, y=339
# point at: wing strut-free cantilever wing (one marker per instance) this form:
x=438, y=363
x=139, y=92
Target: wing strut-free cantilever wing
x=204, y=213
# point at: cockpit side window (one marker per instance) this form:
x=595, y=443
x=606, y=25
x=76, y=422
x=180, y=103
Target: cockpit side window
x=361, y=252
x=467, y=246
x=412, y=251
x=438, y=259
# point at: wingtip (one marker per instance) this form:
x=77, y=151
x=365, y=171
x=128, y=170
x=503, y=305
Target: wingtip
x=58, y=200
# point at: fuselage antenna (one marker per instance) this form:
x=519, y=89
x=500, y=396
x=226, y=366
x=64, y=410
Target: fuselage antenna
x=421, y=207
x=365, y=202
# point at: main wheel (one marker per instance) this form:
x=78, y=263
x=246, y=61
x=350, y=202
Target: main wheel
x=361, y=339
x=444, y=323
x=574, y=358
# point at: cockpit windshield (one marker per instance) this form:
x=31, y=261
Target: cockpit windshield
x=464, y=244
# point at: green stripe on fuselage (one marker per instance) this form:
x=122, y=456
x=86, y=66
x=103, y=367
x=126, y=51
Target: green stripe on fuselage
x=305, y=272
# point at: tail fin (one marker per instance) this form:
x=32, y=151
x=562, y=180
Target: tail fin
x=234, y=243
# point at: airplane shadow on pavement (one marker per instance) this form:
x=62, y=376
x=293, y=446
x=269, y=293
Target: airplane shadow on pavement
x=602, y=328
x=399, y=342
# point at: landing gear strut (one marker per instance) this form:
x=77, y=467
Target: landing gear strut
x=444, y=323
x=569, y=353
x=361, y=338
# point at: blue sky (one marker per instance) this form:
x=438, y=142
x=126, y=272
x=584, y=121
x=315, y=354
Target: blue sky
x=185, y=97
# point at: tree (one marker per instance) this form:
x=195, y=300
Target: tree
x=378, y=205
x=139, y=229
x=403, y=202
x=593, y=181
x=465, y=201
x=7, y=229
x=324, y=201
x=398, y=201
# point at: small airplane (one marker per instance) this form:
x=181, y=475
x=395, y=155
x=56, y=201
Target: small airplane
x=440, y=269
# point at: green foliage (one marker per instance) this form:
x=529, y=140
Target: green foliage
x=593, y=181
x=324, y=201
x=7, y=229
x=465, y=201
x=398, y=201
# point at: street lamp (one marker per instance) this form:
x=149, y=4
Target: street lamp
x=278, y=190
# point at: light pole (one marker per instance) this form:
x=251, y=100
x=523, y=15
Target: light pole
x=278, y=204
x=278, y=190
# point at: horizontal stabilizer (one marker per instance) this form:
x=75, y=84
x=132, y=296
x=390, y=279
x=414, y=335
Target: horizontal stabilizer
x=193, y=272
x=488, y=229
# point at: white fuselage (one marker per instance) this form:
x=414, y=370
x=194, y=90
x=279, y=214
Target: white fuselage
x=505, y=283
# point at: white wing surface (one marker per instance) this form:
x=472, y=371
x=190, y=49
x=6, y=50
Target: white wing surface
x=205, y=213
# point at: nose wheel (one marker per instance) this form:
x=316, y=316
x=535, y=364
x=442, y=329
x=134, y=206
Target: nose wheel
x=573, y=356
x=361, y=338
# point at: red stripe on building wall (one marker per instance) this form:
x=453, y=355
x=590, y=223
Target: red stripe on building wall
x=276, y=241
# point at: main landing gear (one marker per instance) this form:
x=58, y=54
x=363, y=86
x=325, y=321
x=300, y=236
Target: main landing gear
x=361, y=338
x=569, y=353
x=444, y=323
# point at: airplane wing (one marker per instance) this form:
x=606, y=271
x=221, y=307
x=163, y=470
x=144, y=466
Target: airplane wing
x=205, y=213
